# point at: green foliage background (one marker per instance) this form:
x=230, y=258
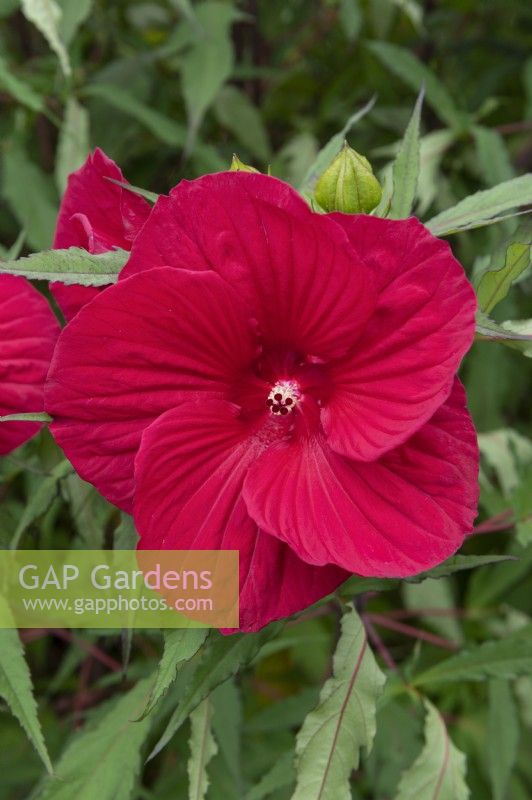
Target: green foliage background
x=170, y=89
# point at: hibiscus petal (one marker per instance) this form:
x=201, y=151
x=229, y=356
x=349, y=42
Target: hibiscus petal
x=403, y=365
x=305, y=284
x=28, y=331
x=130, y=355
x=97, y=215
x=186, y=228
x=189, y=473
x=390, y=518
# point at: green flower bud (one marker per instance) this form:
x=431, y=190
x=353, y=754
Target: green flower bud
x=239, y=166
x=348, y=184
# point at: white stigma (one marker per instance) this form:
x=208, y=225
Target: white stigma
x=283, y=398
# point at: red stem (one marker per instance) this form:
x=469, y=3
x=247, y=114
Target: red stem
x=414, y=633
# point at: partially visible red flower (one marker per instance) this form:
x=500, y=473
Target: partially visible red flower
x=28, y=332
x=97, y=215
x=266, y=379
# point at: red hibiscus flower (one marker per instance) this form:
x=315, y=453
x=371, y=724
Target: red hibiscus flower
x=96, y=215
x=28, y=332
x=267, y=379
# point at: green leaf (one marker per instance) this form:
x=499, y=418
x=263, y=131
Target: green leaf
x=433, y=147
x=439, y=771
x=46, y=16
x=434, y=594
x=19, y=89
x=351, y=18
x=36, y=210
x=89, y=511
x=502, y=736
x=329, y=743
x=520, y=338
x=222, y=659
x=281, y=775
x=236, y=112
x=493, y=156
x=507, y=452
x=161, y=126
x=227, y=725
x=207, y=65
x=505, y=658
x=287, y=713
x=152, y=197
x=489, y=587
x=483, y=207
x=41, y=500
x=16, y=248
x=495, y=284
x=125, y=536
x=17, y=690
x=39, y=416
x=406, y=167
x=203, y=748
x=73, y=146
x=358, y=585
x=458, y=564
x=513, y=333
x=413, y=11
x=415, y=74
x=72, y=266
x=73, y=16
x=327, y=153
x=104, y=760
x=179, y=646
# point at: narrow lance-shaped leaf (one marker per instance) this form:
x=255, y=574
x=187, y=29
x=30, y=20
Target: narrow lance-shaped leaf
x=357, y=584
x=220, y=661
x=161, y=126
x=104, y=759
x=493, y=156
x=483, y=207
x=73, y=144
x=38, y=416
x=513, y=333
x=72, y=266
x=179, y=646
x=227, y=726
x=520, y=335
x=414, y=73
x=41, y=500
x=19, y=89
x=73, y=16
x=17, y=690
x=207, y=65
x=431, y=594
x=439, y=771
x=406, y=166
x=203, y=748
x=151, y=197
x=36, y=210
x=495, y=284
x=502, y=736
x=281, y=774
x=329, y=743
x=506, y=658
x=236, y=112
x=46, y=16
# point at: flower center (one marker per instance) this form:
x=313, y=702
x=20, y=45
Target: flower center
x=284, y=397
